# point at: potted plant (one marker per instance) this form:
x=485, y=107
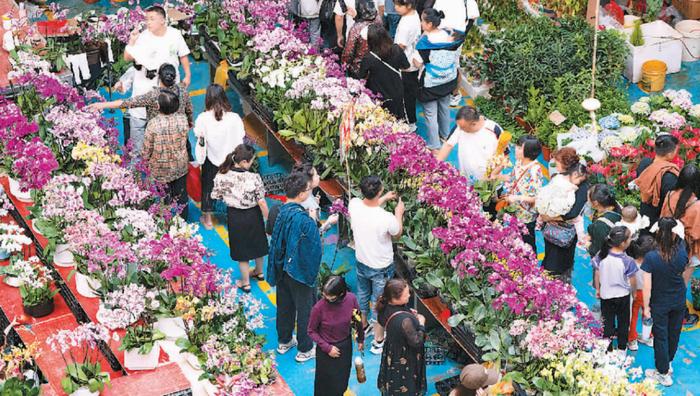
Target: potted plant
x=141, y=347
x=35, y=288
x=695, y=292
x=17, y=371
x=84, y=375
x=12, y=240
x=169, y=317
x=14, y=272
x=123, y=307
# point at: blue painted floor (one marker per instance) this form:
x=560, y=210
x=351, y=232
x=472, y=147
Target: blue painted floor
x=300, y=376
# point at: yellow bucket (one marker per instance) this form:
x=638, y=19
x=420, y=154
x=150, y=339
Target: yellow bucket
x=653, y=76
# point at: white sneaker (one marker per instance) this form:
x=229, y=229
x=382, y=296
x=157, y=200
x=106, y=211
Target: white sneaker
x=284, y=348
x=633, y=346
x=646, y=341
x=305, y=356
x=412, y=127
x=377, y=347
x=663, y=379
x=455, y=100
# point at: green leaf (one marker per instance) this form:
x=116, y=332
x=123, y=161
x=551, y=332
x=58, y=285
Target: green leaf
x=456, y=319
x=434, y=280
x=183, y=343
x=494, y=340
x=306, y=140
x=491, y=356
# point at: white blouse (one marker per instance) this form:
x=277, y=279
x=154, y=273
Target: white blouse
x=221, y=137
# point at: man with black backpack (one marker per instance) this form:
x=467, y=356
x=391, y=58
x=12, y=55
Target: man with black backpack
x=348, y=10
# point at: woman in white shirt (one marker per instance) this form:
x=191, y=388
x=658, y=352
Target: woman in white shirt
x=219, y=131
x=407, y=35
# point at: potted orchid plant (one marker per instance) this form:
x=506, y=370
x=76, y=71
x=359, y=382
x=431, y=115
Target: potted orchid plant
x=12, y=240
x=141, y=348
x=17, y=370
x=35, y=288
x=84, y=376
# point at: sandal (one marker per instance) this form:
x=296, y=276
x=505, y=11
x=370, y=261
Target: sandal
x=244, y=288
x=259, y=276
x=207, y=223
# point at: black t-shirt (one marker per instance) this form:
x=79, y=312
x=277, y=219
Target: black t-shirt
x=667, y=286
x=668, y=184
x=381, y=78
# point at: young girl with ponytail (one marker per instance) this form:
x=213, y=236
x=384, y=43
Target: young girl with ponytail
x=614, y=280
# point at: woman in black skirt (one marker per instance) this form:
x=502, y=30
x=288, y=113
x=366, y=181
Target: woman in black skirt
x=402, y=370
x=244, y=194
x=330, y=324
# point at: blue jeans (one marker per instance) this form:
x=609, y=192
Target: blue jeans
x=437, y=117
x=370, y=285
x=137, y=128
x=391, y=22
x=314, y=31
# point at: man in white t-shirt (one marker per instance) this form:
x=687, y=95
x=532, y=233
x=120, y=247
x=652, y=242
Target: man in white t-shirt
x=408, y=33
x=348, y=9
x=373, y=229
x=477, y=138
x=151, y=48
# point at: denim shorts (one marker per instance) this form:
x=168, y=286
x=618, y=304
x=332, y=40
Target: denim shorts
x=370, y=284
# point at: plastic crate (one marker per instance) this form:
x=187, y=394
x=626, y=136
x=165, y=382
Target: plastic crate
x=689, y=8
x=434, y=353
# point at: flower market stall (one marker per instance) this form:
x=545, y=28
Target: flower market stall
x=108, y=267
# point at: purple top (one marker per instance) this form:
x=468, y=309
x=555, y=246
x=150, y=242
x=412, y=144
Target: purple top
x=330, y=323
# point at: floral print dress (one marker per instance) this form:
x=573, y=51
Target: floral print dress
x=529, y=179
x=402, y=370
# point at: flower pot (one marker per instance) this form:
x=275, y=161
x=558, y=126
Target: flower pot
x=86, y=285
x=12, y=281
x=133, y=360
x=546, y=153
x=192, y=360
x=24, y=196
x=63, y=257
x=4, y=254
x=84, y=391
x=39, y=310
x=173, y=328
x=209, y=388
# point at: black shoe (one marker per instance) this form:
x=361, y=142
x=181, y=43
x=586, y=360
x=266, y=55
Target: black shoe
x=690, y=319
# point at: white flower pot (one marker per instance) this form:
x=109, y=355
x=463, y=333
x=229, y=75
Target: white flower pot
x=209, y=388
x=173, y=328
x=84, y=391
x=86, y=285
x=20, y=195
x=11, y=281
x=133, y=360
x=63, y=257
x=192, y=360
